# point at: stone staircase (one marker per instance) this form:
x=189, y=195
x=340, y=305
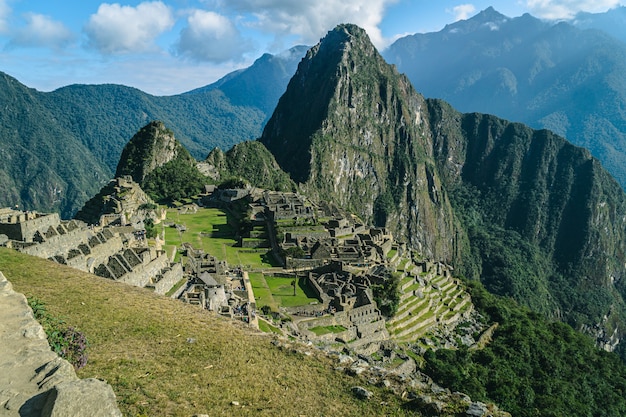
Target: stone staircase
x=430, y=297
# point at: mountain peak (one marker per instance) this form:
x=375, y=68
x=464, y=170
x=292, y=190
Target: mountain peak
x=489, y=18
x=153, y=146
x=352, y=130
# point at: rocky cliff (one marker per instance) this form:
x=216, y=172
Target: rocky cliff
x=150, y=148
x=350, y=129
x=163, y=168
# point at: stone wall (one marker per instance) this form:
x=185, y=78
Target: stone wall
x=168, y=278
x=35, y=381
x=17, y=228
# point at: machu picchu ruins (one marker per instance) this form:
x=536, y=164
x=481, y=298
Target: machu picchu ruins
x=336, y=257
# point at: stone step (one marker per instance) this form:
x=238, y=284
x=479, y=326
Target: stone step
x=406, y=283
x=410, y=321
x=406, y=308
x=418, y=330
x=410, y=315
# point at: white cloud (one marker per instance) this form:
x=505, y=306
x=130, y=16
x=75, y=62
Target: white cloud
x=462, y=11
x=121, y=29
x=566, y=9
x=210, y=37
x=308, y=21
x=41, y=30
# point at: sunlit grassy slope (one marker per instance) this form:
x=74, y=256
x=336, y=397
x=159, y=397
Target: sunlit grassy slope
x=163, y=357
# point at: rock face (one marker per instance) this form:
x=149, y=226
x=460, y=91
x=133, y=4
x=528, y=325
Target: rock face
x=34, y=381
x=150, y=148
x=350, y=129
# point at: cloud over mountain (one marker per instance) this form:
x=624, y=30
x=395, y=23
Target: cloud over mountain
x=41, y=30
x=122, y=29
x=567, y=9
x=211, y=37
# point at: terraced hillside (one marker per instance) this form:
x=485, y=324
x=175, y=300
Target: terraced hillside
x=430, y=298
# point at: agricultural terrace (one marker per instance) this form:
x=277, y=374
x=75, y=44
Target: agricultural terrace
x=213, y=231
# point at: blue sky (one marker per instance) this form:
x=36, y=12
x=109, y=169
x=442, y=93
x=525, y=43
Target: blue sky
x=171, y=46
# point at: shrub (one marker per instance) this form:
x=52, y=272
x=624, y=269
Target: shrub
x=68, y=342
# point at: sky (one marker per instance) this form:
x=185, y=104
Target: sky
x=166, y=47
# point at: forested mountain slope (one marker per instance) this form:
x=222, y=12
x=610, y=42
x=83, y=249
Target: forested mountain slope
x=61, y=147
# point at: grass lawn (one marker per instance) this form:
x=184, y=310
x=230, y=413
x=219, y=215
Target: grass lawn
x=322, y=330
x=282, y=292
x=262, y=293
x=208, y=229
x=166, y=358
x=268, y=328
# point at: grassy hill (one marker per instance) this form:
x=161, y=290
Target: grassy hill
x=163, y=357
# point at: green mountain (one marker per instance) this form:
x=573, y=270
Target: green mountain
x=351, y=130
x=42, y=167
x=531, y=215
x=60, y=148
x=546, y=75
x=249, y=162
x=161, y=166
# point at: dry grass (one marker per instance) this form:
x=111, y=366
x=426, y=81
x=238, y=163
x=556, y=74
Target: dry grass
x=165, y=358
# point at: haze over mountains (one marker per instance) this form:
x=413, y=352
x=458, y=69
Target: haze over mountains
x=555, y=76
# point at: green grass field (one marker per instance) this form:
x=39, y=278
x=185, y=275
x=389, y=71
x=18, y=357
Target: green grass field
x=208, y=229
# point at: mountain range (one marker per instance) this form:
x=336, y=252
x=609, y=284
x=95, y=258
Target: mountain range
x=60, y=147
x=564, y=77
x=559, y=76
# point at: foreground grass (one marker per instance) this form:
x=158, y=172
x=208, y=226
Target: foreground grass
x=166, y=358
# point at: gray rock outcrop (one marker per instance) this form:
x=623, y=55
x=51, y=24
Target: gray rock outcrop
x=35, y=381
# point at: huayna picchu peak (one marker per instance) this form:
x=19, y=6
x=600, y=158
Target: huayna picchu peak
x=531, y=215
x=350, y=129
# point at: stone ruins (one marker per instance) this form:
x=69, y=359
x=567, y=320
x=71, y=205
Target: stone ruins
x=339, y=257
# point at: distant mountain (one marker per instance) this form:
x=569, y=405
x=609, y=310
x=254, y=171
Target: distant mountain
x=60, y=147
x=532, y=216
x=41, y=165
x=612, y=22
x=553, y=76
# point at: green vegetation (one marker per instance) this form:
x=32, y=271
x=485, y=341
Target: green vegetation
x=387, y=295
x=213, y=231
x=175, y=180
x=164, y=357
x=68, y=342
x=322, y=330
x=251, y=162
x=275, y=292
x=268, y=328
x=532, y=367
